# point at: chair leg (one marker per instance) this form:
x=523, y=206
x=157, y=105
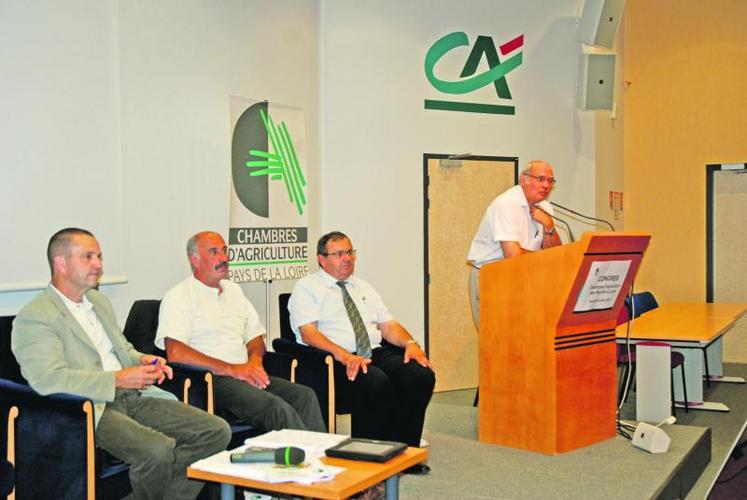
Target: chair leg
x=684, y=389
x=621, y=387
x=707, y=372
x=674, y=403
x=628, y=367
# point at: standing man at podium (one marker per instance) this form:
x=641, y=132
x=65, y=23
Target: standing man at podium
x=517, y=221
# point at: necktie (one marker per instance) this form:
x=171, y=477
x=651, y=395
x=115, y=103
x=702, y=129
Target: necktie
x=362, y=344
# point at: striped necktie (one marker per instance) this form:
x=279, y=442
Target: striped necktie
x=362, y=344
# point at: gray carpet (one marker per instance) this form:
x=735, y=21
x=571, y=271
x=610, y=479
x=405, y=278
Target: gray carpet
x=464, y=468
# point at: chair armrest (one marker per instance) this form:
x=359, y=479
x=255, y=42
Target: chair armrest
x=281, y=365
x=192, y=385
x=316, y=370
x=303, y=353
x=50, y=440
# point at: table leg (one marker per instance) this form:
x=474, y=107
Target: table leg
x=227, y=491
x=392, y=488
x=715, y=354
x=694, y=380
x=693, y=376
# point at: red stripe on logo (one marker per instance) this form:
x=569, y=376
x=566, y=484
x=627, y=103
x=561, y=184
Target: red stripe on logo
x=512, y=45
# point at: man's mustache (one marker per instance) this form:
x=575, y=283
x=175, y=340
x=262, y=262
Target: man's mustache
x=222, y=265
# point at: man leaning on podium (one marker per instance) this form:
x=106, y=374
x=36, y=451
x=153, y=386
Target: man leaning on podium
x=517, y=221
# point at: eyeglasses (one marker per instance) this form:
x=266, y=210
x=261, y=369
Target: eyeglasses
x=340, y=253
x=542, y=178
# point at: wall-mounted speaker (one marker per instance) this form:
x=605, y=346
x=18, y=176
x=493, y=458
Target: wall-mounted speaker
x=596, y=81
x=599, y=22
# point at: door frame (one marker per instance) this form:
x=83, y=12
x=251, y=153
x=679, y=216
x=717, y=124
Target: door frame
x=711, y=169
x=426, y=206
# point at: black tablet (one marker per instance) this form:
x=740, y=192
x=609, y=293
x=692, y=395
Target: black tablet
x=369, y=450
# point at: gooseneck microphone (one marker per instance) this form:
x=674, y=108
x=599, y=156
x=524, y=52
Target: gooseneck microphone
x=567, y=226
x=612, y=228
x=287, y=455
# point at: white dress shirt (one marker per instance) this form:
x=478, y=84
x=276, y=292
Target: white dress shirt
x=507, y=218
x=318, y=298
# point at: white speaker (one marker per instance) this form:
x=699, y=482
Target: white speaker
x=596, y=81
x=650, y=438
x=599, y=22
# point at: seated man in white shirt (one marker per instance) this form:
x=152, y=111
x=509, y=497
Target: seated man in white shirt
x=207, y=321
x=379, y=365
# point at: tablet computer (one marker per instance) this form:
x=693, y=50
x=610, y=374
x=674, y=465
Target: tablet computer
x=369, y=450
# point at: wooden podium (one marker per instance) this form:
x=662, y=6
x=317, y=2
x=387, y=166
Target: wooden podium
x=547, y=373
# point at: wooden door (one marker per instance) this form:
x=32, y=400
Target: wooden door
x=457, y=194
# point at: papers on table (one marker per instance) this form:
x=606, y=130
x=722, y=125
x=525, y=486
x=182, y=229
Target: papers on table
x=313, y=443
x=311, y=471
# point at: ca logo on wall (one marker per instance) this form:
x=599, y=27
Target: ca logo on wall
x=468, y=82
x=268, y=232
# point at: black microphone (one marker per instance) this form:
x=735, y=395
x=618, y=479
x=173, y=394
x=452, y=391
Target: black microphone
x=612, y=228
x=287, y=455
x=567, y=226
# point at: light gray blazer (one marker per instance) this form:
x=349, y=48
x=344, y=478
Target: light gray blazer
x=56, y=355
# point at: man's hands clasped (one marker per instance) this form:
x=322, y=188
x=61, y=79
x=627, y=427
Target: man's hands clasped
x=252, y=372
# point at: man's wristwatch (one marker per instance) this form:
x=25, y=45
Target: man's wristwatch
x=551, y=231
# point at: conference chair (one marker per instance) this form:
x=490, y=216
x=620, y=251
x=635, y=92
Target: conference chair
x=6, y=477
x=50, y=440
x=639, y=304
x=140, y=329
x=315, y=368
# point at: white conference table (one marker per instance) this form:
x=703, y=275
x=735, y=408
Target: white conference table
x=692, y=329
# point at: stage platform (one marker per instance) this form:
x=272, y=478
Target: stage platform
x=464, y=468
x=614, y=469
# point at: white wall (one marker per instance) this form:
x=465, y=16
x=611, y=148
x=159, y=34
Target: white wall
x=173, y=64
x=376, y=129
x=178, y=63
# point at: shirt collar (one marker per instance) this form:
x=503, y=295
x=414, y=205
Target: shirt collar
x=84, y=305
x=331, y=281
x=204, y=289
x=521, y=196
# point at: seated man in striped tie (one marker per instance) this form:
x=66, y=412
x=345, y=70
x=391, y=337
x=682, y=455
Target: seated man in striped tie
x=380, y=367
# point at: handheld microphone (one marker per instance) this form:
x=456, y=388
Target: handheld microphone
x=287, y=455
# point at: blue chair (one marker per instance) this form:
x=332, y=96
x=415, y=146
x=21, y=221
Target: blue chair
x=315, y=368
x=6, y=477
x=52, y=437
x=642, y=303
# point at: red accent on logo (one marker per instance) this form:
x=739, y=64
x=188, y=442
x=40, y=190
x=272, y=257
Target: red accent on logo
x=512, y=45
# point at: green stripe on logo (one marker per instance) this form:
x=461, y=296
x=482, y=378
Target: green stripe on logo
x=470, y=107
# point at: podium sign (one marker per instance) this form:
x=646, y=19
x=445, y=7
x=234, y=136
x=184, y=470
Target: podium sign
x=547, y=342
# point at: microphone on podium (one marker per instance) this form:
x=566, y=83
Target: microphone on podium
x=612, y=228
x=287, y=455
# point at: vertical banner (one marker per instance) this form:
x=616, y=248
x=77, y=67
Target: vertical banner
x=268, y=235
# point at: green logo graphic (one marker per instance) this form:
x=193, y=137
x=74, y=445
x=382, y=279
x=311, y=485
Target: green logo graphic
x=470, y=82
x=281, y=163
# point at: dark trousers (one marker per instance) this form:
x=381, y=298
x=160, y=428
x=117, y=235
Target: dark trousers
x=282, y=405
x=159, y=438
x=389, y=401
